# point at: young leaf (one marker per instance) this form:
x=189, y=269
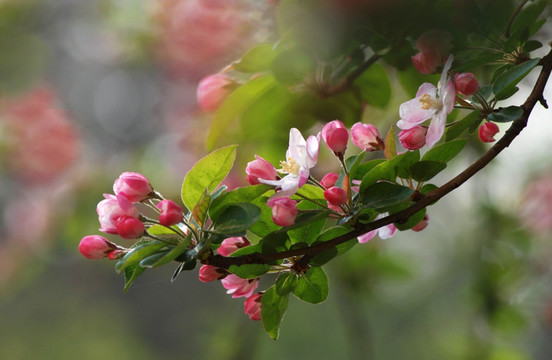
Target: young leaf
x=256, y=59
x=312, y=287
x=236, y=219
x=513, y=76
x=309, y=231
x=171, y=254
x=507, y=114
x=327, y=255
x=199, y=213
x=390, y=147
x=444, y=152
x=374, y=86
x=272, y=311
x=466, y=123
x=207, y=173
x=238, y=195
x=285, y=283
x=131, y=274
x=427, y=169
x=265, y=225
x=138, y=253
x=384, y=194
x=249, y=271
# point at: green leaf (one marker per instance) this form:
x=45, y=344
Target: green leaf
x=134, y=256
x=256, y=59
x=528, y=16
x=513, y=76
x=427, y=169
x=375, y=87
x=329, y=254
x=265, y=225
x=131, y=274
x=388, y=170
x=412, y=221
x=312, y=287
x=411, y=79
x=466, y=123
x=364, y=168
x=444, y=152
x=309, y=191
x=238, y=195
x=148, y=262
x=275, y=242
x=235, y=105
x=390, y=146
x=236, y=219
x=507, y=114
x=291, y=66
x=273, y=309
x=249, y=271
x=384, y=194
x=308, y=231
x=207, y=173
x=170, y=255
x=286, y=282
x=199, y=213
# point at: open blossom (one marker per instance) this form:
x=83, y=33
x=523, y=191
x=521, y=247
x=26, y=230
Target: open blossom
x=487, y=131
x=284, y=211
x=301, y=156
x=431, y=102
x=252, y=306
x=231, y=244
x=96, y=247
x=111, y=209
x=239, y=287
x=171, y=213
x=134, y=186
x=367, y=137
x=336, y=136
x=260, y=169
x=384, y=232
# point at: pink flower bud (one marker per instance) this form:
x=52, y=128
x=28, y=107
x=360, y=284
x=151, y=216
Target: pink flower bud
x=284, y=211
x=336, y=136
x=213, y=90
x=414, y=138
x=239, y=287
x=96, y=247
x=134, y=186
x=129, y=227
x=117, y=254
x=366, y=137
x=487, y=131
x=260, y=169
x=112, y=208
x=170, y=214
x=335, y=196
x=208, y=273
x=231, y=244
x=421, y=225
x=252, y=306
x=426, y=62
x=466, y=83
x=329, y=180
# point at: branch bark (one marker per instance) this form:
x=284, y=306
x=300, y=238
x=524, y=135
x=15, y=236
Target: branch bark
x=515, y=129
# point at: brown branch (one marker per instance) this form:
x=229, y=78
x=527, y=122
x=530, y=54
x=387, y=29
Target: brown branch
x=402, y=216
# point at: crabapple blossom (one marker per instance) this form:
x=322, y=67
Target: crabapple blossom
x=252, y=306
x=96, y=247
x=231, y=244
x=431, y=102
x=426, y=62
x=134, y=186
x=366, y=137
x=434, y=46
x=329, y=180
x=260, y=169
x=336, y=136
x=384, y=232
x=208, y=273
x=171, y=213
x=213, y=90
x=466, y=83
x=301, y=156
x=284, y=211
x=239, y=287
x=487, y=131
x=335, y=196
x=414, y=138
x=129, y=227
x=112, y=208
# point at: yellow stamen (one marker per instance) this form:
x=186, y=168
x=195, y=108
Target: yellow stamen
x=290, y=167
x=428, y=103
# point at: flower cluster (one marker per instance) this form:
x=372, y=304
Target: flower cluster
x=119, y=215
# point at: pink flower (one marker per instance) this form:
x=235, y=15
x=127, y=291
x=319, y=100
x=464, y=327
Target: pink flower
x=487, y=131
x=301, y=156
x=335, y=196
x=111, y=209
x=134, y=186
x=421, y=225
x=414, y=138
x=208, y=273
x=239, y=287
x=96, y=247
x=284, y=211
x=213, y=90
x=171, y=213
x=231, y=244
x=129, y=227
x=329, y=180
x=431, y=102
x=367, y=137
x=426, y=62
x=434, y=46
x=336, y=136
x=384, y=232
x=252, y=306
x=466, y=83
x=260, y=169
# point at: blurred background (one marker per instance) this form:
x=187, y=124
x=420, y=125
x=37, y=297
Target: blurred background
x=90, y=89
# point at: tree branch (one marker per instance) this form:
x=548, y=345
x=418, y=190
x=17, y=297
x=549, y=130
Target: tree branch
x=402, y=216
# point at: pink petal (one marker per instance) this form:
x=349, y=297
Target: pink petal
x=436, y=129
x=427, y=88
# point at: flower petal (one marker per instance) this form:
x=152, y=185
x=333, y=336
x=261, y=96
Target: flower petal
x=436, y=129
